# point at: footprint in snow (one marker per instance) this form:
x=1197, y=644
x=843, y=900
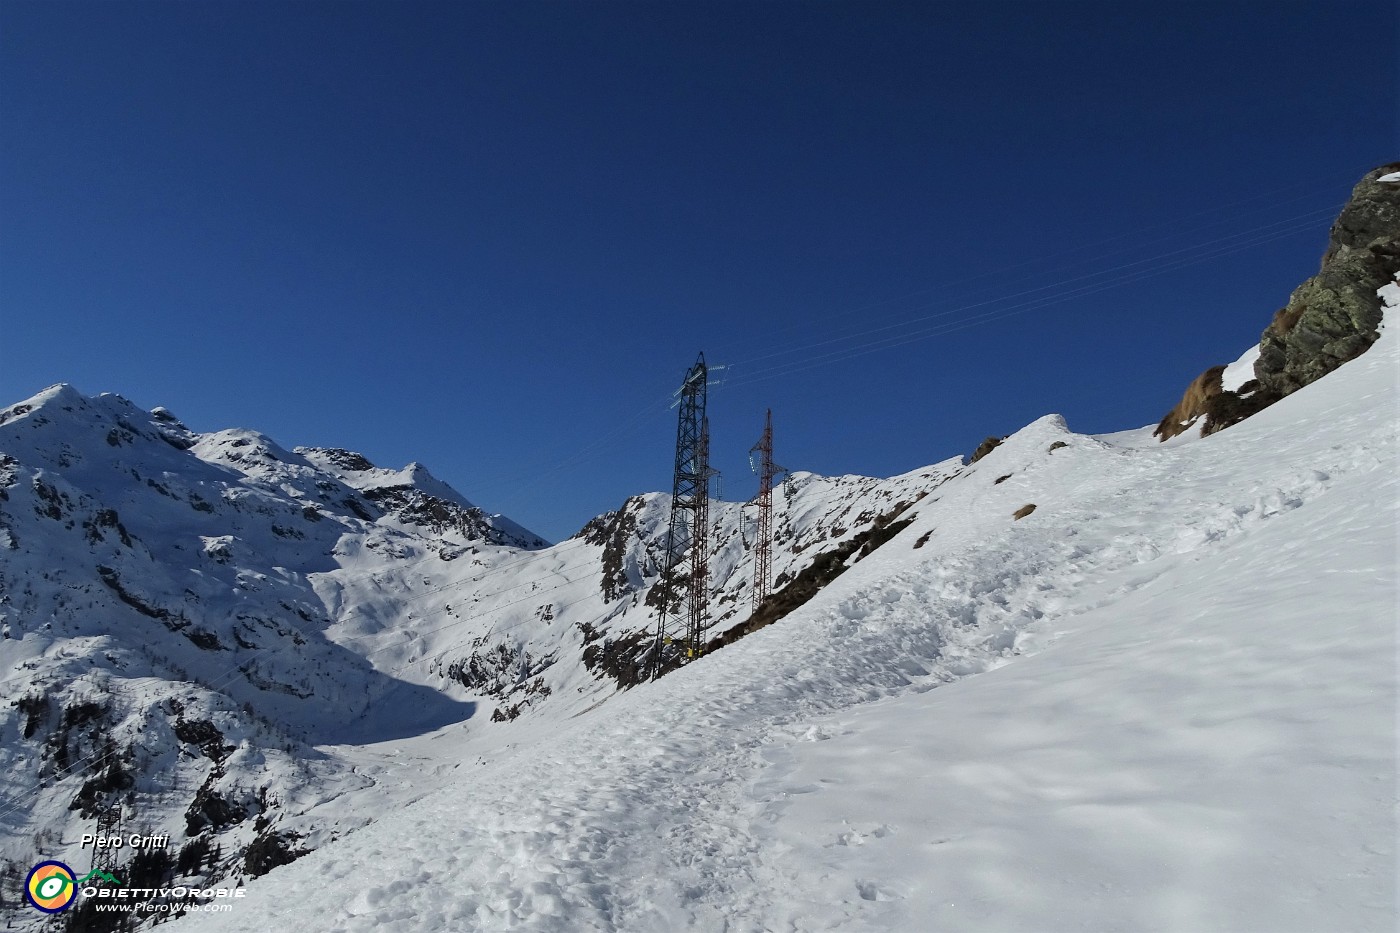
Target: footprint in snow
x=870, y=891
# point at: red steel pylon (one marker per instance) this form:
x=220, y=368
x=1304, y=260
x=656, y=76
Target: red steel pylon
x=767, y=470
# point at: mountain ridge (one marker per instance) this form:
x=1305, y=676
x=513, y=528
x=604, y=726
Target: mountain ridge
x=196, y=623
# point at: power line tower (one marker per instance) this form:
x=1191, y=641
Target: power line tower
x=109, y=822
x=680, y=627
x=699, y=601
x=767, y=471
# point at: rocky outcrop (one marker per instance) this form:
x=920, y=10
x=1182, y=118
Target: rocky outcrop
x=984, y=448
x=1335, y=316
x=614, y=532
x=1331, y=318
x=1227, y=407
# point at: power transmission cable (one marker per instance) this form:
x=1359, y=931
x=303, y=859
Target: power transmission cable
x=1290, y=225
x=1299, y=222
x=993, y=314
x=1047, y=257
x=597, y=446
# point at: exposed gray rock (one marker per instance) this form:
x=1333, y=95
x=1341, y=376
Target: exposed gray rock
x=1335, y=316
x=1331, y=318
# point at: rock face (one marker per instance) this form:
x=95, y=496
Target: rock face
x=1333, y=317
x=984, y=448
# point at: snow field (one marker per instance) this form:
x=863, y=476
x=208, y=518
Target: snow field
x=1207, y=752
x=1183, y=719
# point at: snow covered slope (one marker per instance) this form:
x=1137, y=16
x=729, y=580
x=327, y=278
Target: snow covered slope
x=1183, y=717
x=214, y=632
x=162, y=641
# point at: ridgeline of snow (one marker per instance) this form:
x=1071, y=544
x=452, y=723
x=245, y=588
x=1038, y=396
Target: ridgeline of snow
x=1163, y=699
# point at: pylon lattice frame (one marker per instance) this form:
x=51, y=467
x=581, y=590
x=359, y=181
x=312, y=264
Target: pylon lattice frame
x=687, y=540
x=767, y=471
x=109, y=823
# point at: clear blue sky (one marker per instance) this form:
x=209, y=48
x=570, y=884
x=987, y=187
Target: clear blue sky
x=492, y=236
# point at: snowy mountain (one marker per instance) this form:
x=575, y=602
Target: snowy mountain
x=209, y=629
x=1183, y=701
x=1075, y=682
x=1164, y=698
x=165, y=641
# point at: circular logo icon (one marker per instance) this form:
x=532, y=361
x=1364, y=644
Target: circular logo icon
x=50, y=887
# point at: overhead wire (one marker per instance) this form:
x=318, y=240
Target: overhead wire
x=993, y=314
x=1254, y=238
x=519, y=482
x=1291, y=224
x=1042, y=258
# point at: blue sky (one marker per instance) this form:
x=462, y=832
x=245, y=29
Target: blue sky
x=491, y=237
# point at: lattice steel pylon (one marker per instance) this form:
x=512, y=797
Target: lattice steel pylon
x=109, y=823
x=699, y=596
x=767, y=471
x=687, y=540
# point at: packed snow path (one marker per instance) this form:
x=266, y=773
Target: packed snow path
x=1183, y=719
